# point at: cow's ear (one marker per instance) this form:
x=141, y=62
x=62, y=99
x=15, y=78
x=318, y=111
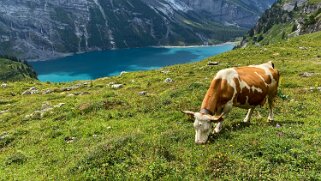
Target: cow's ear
x=189, y=113
x=215, y=119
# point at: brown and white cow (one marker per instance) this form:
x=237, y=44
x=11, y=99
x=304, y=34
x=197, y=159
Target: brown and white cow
x=244, y=87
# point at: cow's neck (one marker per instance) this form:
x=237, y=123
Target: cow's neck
x=211, y=99
x=206, y=111
x=209, y=102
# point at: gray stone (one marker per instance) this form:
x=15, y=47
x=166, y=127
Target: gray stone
x=30, y=91
x=70, y=139
x=45, y=106
x=143, y=93
x=59, y=105
x=2, y=112
x=165, y=71
x=212, y=63
x=168, y=80
x=117, y=86
x=123, y=72
x=47, y=91
x=4, y=85
x=307, y=74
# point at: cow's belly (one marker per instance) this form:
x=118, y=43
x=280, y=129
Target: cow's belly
x=249, y=100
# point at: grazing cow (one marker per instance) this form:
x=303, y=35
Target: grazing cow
x=244, y=87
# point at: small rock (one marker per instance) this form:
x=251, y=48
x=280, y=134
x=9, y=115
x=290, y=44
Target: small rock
x=2, y=112
x=168, y=80
x=85, y=93
x=278, y=125
x=123, y=72
x=32, y=90
x=70, y=139
x=319, y=89
x=4, y=135
x=143, y=93
x=306, y=74
x=66, y=89
x=59, y=105
x=212, y=63
x=303, y=48
x=165, y=71
x=4, y=85
x=311, y=89
x=111, y=83
x=109, y=127
x=47, y=91
x=70, y=95
x=276, y=54
x=45, y=106
x=85, y=83
x=117, y=86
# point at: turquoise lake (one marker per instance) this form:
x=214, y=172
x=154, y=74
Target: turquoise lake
x=92, y=65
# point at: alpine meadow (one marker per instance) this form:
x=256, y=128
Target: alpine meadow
x=131, y=126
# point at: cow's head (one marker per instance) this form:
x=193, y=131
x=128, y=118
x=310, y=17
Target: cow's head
x=203, y=125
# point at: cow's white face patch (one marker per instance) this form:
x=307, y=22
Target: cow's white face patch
x=203, y=128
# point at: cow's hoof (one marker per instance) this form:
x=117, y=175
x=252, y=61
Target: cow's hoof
x=216, y=131
x=270, y=120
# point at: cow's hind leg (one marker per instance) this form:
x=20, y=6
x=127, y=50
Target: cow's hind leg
x=271, y=115
x=248, y=115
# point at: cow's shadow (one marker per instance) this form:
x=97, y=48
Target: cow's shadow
x=226, y=130
x=236, y=126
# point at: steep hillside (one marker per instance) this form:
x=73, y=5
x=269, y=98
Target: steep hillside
x=12, y=69
x=39, y=29
x=286, y=19
x=90, y=131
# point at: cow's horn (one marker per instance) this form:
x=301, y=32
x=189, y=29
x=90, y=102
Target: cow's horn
x=216, y=119
x=190, y=113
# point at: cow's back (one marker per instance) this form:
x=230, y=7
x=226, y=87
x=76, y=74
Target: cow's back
x=255, y=84
x=244, y=87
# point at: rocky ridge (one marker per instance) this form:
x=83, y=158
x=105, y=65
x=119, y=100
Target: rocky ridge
x=41, y=29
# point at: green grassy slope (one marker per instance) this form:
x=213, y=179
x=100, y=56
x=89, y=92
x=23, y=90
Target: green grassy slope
x=115, y=134
x=15, y=71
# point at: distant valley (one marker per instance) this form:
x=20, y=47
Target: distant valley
x=42, y=29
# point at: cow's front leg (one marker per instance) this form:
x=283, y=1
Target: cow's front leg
x=218, y=127
x=248, y=115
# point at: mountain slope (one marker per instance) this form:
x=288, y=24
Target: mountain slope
x=101, y=133
x=12, y=69
x=286, y=19
x=37, y=29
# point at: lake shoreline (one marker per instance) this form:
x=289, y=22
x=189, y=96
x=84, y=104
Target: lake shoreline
x=63, y=55
x=93, y=65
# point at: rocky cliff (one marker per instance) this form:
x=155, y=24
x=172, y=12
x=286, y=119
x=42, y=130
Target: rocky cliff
x=285, y=19
x=40, y=29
